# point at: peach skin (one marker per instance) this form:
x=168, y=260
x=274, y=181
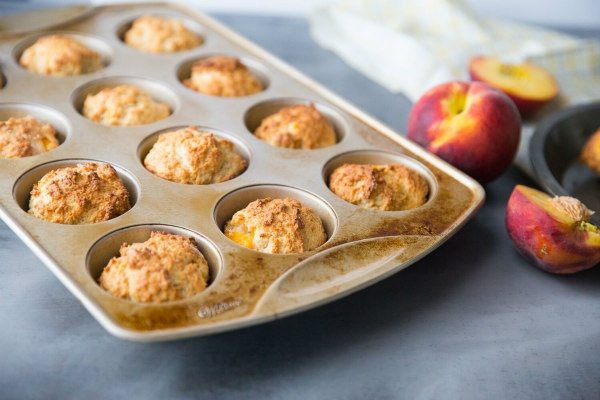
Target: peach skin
x=471, y=125
x=553, y=232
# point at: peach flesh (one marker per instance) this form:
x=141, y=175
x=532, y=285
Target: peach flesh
x=554, y=233
x=528, y=85
x=471, y=125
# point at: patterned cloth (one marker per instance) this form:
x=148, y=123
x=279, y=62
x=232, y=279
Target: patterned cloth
x=409, y=46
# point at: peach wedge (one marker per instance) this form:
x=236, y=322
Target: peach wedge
x=553, y=232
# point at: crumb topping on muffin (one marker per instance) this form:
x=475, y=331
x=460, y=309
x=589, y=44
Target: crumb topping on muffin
x=24, y=137
x=297, y=127
x=82, y=194
x=223, y=76
x=60, y=55
x=391, y=187
x=277, y=226
x=166, y=267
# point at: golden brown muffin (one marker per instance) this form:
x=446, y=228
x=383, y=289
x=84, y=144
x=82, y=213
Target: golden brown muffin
x=222, y=76
x=297, y=127
x=154, y=34
x=60, y=55
x=194, y=157
x=124, y=105
x=590, y=154
x=83, y=194
x=392, y=187
x=276, y=226
x=24, y=137
x=165, y=267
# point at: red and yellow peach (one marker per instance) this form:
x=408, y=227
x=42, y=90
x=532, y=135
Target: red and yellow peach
x=471, y=125
x=553, y=232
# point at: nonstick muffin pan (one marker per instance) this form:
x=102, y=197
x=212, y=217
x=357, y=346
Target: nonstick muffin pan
x=246, y=287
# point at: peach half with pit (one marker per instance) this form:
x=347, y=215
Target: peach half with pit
x=471, y=125
x=529, y=85
x=555, y=233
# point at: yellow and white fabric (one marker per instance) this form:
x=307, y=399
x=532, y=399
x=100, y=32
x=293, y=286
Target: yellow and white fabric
x=409, y=46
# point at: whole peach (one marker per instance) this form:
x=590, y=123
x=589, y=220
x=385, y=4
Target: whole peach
x=553, y=232
x=471, y=125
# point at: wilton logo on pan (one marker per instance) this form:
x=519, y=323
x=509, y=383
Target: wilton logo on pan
x=219, y=308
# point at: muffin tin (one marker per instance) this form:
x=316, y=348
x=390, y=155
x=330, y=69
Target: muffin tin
x=246, y=287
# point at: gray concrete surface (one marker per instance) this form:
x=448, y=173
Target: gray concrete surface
x=470, y=321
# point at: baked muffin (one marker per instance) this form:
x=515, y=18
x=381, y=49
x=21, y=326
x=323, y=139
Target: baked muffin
x=222, y=76
x=124, y=105
x=83, y=194
x=60, y=55
x=194, y=157
x=590, y=154
x=154, y=34
x=297, y=127
x=24, y=137
x=165, y=267
x=392, y=187
x=276, y=226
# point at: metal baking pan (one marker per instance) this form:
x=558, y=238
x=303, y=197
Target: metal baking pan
x=555, y=149
x=246, y=287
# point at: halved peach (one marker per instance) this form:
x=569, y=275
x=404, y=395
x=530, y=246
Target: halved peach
x=527, y=84
x=553, y=232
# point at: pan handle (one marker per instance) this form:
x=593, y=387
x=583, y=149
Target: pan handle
x=340, y=270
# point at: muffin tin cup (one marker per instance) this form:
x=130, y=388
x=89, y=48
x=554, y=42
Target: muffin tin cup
x=108, y=247
x=42, y=113
x=238, y=199
x=91, y=41
x=24, y=184
x=263, y=109
x=247, y=287
x=379, y=157
x=124, y=25
x=158, y=91
x=240, y=146
x=184, y=71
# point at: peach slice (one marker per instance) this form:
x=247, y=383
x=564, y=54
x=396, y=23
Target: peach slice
x=528, y=85
x=553, y=232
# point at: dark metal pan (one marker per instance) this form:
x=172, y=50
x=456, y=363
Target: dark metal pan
x=555, y=149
